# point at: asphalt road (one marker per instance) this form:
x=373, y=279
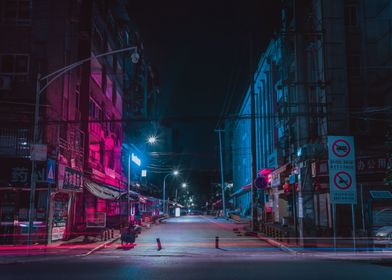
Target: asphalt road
x=189, y=253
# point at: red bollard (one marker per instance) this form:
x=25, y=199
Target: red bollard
x=217, y=242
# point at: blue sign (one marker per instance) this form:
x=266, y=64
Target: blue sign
x=50, y=173
x=136, y=160
x=292, y=178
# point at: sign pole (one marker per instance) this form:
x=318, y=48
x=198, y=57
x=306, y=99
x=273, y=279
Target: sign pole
x=353, y=222
x=362, y=211
x=334, y=224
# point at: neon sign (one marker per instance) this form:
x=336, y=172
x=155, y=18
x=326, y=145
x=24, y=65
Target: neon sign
x=136, y=160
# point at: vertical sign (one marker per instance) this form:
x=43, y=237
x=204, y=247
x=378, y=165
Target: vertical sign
x=342, y=173
x=50, y=175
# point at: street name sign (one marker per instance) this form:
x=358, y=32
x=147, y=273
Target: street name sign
x=342, y=172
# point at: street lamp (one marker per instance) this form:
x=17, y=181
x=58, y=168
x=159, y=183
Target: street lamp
x=39, y=90
x=183, y=185
x=152, y=140
x=174, y=173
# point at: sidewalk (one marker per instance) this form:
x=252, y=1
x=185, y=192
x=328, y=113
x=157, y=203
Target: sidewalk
x=56, y=250
x=292, y=244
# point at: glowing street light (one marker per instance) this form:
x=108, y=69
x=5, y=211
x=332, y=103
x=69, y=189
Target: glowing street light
x=183, y=185
x=152, y=140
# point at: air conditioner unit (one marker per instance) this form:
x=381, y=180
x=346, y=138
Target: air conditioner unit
x=5, y=82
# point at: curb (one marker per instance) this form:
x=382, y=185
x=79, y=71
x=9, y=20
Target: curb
x=277, y=244
x=45, y=258
x=99, y=247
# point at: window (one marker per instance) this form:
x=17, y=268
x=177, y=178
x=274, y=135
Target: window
x=14, y=64
x=351, y=16
x=18, y=11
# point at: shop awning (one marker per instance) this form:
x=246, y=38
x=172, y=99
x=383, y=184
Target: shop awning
x=132, y=195
x=102, y=191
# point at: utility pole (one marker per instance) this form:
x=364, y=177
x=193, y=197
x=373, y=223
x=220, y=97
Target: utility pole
x=221, y=171
x=253, y=140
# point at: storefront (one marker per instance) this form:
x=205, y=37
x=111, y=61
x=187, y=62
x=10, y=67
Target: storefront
x=279, y=196
x=15, y=201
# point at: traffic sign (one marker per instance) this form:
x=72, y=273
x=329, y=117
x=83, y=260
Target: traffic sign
x=342, y=172
x=342, y=180
x=341, y=148
x=50, y=174
x=38, y=152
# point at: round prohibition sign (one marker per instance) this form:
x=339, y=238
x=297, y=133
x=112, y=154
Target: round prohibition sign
x=342, y=180
x=341, y=148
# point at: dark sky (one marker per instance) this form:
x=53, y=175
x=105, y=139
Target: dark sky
x=201, y=52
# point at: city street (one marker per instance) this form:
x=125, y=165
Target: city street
x=188, y=252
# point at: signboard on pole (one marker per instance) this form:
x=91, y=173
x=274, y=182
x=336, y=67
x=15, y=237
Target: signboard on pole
x=50, y=173
x=342, y=173
x=38, y=152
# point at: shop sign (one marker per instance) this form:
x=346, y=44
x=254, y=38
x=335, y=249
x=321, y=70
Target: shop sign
x=373, y=165
x=17, y=173
x=58, y=233
x=342, y=173
x=69, y=179
x=275, y=180
x=369, y=165
x=300, y=207
x=136, y=159
x=292, y=178
x=38, y=152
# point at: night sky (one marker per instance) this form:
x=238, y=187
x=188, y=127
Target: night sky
x=201, y=52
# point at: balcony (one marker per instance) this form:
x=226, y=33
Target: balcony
x=71, y=146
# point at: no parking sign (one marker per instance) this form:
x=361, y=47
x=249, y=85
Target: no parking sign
x=342, y=174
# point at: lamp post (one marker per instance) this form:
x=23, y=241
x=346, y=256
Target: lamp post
x=221, y=172
x=183, y=185
x=39, y=90
x=174, y=173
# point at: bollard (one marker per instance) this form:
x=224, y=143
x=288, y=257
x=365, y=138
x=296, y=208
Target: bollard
x=112, y=232
x=217, y=242
x=159, y=244
x=105, y=235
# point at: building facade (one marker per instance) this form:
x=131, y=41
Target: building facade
x=81, y=182
x=324, y=74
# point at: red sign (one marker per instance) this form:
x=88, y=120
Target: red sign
x=342, y=180
x=341, y=148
